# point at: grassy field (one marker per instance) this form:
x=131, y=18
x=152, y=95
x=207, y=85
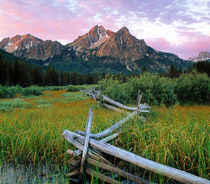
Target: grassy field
x=32, y=131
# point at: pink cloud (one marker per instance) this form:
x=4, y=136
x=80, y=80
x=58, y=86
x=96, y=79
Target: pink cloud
x=66, y=20
x=187, y=49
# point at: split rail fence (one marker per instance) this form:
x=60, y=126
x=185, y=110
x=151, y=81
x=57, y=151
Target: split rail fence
x=92, y=146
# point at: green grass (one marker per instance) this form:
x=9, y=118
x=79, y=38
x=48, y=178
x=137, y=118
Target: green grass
x=72, y=97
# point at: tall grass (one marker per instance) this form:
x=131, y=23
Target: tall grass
x=176, y=136
x=35, y=134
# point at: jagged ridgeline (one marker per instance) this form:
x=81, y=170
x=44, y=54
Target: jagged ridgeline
x=99, y=50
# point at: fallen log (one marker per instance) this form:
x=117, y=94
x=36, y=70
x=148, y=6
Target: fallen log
x=72, y=173
x=110, y=129
x=147, y=164
x=101, y=176
x=91, y=153
x=118, y=171
x=107, y=99
x=114, y=108
x=77, y=153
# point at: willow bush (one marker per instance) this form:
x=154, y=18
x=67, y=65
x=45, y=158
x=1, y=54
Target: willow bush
x=156, y=90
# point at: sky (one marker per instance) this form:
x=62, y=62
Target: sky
x=181, y=27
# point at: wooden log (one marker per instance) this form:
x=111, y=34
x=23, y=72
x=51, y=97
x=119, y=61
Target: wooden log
x=150, y=165
x=101, y=176
x=73, y=140
x=117, y=170
x=72, y=173
x=77, y=153
x=107, y=99
x=114, y=108
x=110, y=129
x=87, y=138
x=74, y=164
x=109, y=138
x=70, y=152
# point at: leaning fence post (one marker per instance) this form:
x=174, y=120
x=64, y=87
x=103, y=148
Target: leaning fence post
x=87, y=138
x=138, y=102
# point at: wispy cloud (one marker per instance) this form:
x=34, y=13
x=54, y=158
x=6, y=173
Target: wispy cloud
x=178, y=26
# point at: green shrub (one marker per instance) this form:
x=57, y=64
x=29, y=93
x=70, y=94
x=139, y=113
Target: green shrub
x=72, y=88
x=32, y=91
x=154, y=89
x=193, y=88
x=14, y=103
x=9, y=92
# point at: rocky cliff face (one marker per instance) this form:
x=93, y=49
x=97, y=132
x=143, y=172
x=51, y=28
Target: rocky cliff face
x=41, y=51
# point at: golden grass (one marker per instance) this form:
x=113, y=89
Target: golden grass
x=35, y=134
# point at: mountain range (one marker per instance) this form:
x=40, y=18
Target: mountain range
x=202, y=56
x=99, y=50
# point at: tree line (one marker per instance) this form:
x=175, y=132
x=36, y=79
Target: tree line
x=18, y=72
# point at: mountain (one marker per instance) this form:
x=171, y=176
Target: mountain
x=99, y=50
x=203, y=56
x=95, y=37
x=19, y=42
x=30, y=47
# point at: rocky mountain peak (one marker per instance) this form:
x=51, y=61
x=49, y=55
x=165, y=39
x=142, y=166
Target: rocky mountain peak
x=110, y=33
x=19, y=42
x=96, y=33
x=95, y=37
x=123, y=30
x=202, y=56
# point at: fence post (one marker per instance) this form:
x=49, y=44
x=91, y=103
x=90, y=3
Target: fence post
x=87, y=138
x=138, y=102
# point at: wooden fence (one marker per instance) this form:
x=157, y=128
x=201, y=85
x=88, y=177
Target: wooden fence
x=92, y=146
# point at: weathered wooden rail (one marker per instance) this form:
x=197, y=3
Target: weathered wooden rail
x=92, y=149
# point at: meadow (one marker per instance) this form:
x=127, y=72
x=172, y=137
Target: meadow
x=31, y=132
